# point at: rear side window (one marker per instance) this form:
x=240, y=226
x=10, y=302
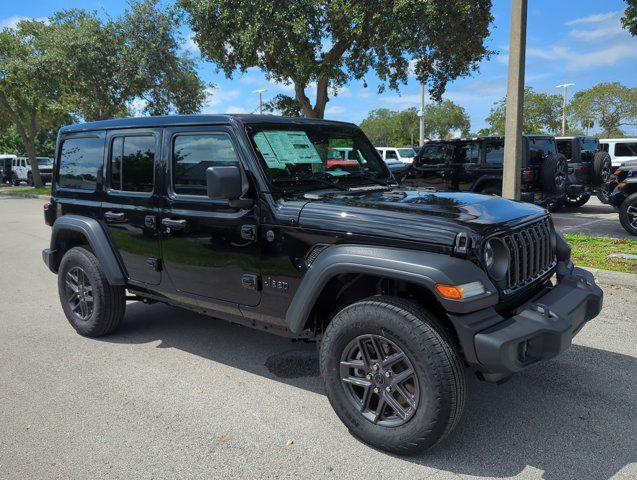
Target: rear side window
x=80, y=160
x=626, y=149
x=132, y=163
x=604, y=147
x=494, y=153
x=193, y=154
x=391, y=154
x=467, y=153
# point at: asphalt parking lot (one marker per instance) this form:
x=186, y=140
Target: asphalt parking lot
x=594, y=219
x=176, y=395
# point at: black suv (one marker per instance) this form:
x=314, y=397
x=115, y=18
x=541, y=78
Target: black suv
x=475, y=165
x=622, y=185
x=239, y=217
x=588, y=169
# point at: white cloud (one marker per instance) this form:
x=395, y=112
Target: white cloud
x=217, y=97
x=235, y=109
x=335, y=110
x=12, y=22
x=191, y=46
x=595, y=18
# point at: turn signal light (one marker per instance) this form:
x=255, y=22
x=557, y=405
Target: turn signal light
x=621, y=185
x=461, y=292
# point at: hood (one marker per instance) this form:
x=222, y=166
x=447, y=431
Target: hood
x=416, y=214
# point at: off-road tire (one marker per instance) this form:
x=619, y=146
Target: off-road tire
x=628, y=214
x=436, y=360
x=602, y=194
x=602, y=168
x=15, y=181
x=576, y=202
x=554, y=173
x=109, y=302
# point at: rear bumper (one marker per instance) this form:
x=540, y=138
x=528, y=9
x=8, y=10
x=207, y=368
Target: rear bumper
x=575, y=190
x=540, y=329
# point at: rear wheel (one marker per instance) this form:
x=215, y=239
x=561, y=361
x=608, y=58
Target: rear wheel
x=628, y=214
x=92, y=306
x=393, y=375
x=575, y=202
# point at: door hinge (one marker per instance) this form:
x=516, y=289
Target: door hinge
x=154, y=264
x=249, y=232
x=250, y=281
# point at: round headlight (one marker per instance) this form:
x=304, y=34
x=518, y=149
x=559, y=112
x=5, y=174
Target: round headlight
x=496, y=258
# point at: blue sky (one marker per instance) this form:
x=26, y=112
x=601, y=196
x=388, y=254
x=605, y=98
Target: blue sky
x=575, y=41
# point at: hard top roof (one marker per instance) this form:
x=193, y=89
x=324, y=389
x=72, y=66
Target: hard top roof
x=488, y=137
x=181, y=120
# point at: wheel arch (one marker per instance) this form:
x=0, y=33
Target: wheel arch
x=342, y=274
x=73, y=230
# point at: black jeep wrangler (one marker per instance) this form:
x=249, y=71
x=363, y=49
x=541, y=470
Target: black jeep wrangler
x=475, y=165
x=238, y=217
x=588, y=169
x=622, y=185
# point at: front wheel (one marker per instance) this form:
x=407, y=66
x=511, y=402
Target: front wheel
x=575, y=202
x=393, y=375
x=628, y=214
x=92, y=306
x=15, y=181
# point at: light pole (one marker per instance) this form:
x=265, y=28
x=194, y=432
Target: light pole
x=421, y=114
x=565, y=87
x=512, y=168
x=260, y=92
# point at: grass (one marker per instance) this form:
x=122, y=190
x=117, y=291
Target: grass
x=594, y=252
x=28, y=190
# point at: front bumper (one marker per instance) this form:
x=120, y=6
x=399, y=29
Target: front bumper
x=498, y=345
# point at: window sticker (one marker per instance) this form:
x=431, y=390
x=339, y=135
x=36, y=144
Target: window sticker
x=286, y=147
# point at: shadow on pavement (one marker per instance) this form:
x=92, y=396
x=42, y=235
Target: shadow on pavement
x=572, y=417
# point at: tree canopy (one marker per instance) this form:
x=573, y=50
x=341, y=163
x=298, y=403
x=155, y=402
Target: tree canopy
x=542, y=114
x=329, y=42
x=389, y=127
x=610, y=105
x=629, y=20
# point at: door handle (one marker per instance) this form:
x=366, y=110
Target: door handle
x=174, y=224
x=115, y=216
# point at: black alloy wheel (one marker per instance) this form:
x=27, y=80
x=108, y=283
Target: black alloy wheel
x=561, y=175
x=79, y=293
x=379, y=380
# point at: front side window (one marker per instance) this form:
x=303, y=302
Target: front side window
x=193, y=154
x=467, y=153
x=80, y=160
x=132, y=163
x=626, y=149
x=406, y=152
x=494, y=153
x=434, y=155
x=298, y=155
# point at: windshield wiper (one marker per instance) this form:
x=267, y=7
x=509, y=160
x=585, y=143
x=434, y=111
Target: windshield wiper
x=325, y=179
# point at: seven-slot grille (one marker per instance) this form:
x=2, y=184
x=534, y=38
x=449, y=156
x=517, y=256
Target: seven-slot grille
x=531, y=254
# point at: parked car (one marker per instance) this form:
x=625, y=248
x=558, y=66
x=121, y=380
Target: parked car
x=588, y=169
x=238, y=217
x=620, y=149
x=6, y=162
x=623, y=196
x=21, y=170
x=475, y=165
x=397, y=168
x=403, y=154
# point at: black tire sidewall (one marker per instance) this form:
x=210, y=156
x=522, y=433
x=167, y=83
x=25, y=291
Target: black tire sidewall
x=429, y=423
x=599, y=160
x=80, y=257
x=548, y=171
x=623, y=213
x=577, y=201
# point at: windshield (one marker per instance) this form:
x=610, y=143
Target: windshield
x=44, y=162
x=406, y=152
x=295, y=155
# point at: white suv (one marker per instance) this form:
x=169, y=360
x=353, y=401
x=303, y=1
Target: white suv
x=21, y=170
x=404, y=154
x=620, y=149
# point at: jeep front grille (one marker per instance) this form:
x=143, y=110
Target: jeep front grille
x=531, y=254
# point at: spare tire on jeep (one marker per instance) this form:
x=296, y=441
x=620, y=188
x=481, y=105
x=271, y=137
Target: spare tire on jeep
x=602, y=168
x=554, y=173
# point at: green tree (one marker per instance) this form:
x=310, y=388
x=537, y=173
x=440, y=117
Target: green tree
x=445, y=117
x=542, y=113
x=379, y=126
x=610, y=105
x=329, y=42
x=629, y=20
x=31, y=87
x=283, y=105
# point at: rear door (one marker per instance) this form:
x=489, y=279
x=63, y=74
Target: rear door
x=465, y=167
x=209, y=248
x=131, y=202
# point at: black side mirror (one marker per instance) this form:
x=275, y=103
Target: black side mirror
x=223, y=183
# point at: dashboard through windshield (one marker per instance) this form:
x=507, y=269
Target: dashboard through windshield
x=325, y=155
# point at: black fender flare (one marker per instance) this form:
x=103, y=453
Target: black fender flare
x=415, y=266
x=97, y=239
x=485, y=179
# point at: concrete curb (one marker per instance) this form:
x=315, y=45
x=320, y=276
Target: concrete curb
x=24, y=195
x=608, y=277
